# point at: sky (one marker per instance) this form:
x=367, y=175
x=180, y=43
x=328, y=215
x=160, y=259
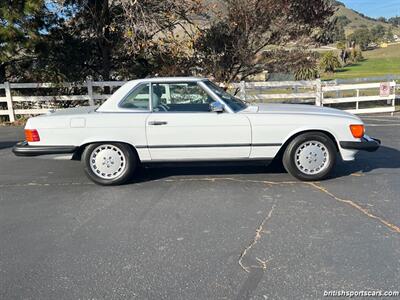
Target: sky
x=375, y=8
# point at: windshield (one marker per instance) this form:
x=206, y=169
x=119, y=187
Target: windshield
x=234, y=103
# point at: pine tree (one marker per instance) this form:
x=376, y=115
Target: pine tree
x=20, y=28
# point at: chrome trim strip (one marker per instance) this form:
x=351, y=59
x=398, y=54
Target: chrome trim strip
x=209, y=160
x=207, y=146
x=266, y=145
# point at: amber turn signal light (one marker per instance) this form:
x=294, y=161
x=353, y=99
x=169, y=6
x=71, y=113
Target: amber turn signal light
x=357, y=131
x=32, y=135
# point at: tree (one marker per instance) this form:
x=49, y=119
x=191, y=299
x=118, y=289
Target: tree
x=329, y=62
x=395, y=21
x=389, y=34
x=88, y=27
x=361, y=37
x=162, y=33
x=21, y=23
x=300, y=62
x=356, y=55
x=378, y=33
x=72, y=39
x=77, y=43
x=382, y=19
x=116, y=39
x=334, y=32
x=234, y=46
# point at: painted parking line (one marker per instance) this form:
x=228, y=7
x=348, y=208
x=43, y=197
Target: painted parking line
x=382, y=125
x=388, y=116
x=382, y=120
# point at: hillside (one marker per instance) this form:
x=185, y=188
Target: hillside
x=358, y=21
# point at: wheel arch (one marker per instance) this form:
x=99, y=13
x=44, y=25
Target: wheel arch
x=296, y=134
x=78, y=153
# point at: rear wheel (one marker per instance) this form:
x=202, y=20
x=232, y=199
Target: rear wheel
x=310, y=156
x=109, y=163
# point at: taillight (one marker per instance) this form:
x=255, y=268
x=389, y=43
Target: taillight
x=32, y=135
x=357, y=131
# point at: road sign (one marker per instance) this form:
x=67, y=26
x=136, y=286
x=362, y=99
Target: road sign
x=384, y=90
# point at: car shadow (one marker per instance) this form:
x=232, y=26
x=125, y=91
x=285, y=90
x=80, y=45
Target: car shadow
x=160, y=172
x=7, y=144
x=365, y=162
x=385, y=157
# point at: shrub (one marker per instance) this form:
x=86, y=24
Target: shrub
x=341, y=45
x=329, y=62
x=356, y=55
x=306, y=73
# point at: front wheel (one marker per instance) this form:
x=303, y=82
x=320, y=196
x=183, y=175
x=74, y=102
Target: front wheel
x=109, y=163
x=310, y=156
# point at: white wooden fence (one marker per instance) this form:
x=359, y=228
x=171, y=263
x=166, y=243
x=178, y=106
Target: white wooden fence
x=390, y=99
x=322, y=93
x=10, y=99
x=316, y=92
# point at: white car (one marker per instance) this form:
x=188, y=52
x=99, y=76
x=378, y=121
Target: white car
x=191, y=119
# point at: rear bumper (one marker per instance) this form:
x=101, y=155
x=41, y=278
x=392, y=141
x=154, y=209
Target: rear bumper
x=24, y=149
x=367, y=144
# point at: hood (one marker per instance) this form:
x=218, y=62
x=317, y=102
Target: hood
x=264, y=108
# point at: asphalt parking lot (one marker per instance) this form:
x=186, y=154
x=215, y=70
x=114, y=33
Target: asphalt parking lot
x=200, y=233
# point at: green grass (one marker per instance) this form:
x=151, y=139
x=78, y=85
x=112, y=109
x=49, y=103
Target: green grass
x=379, y=62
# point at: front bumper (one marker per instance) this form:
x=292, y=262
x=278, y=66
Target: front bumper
x=24, y=149
x=367, y=144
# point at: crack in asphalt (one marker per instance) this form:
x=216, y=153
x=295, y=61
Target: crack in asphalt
x=214, y=179
x=35, y=184
x=262, y=264
x=313, y=185
x=257, y=237
x=365, y=211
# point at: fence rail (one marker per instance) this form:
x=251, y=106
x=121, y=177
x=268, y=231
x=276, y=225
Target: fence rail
x=315, y=92
x=323, y=93
x=90, y=97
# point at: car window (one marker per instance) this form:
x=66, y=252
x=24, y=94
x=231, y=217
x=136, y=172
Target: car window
x=138, y=98
x=180, y=97
x=234, y=103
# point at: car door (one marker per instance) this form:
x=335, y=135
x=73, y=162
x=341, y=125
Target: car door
x=182, y=127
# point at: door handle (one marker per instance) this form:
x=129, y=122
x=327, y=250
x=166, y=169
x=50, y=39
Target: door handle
x=158, y=123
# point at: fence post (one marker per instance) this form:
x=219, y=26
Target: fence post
x=338, y=94
x=358, y=96
x=318, y=92
x=89, y=83
x=9, y=102
x=242, y=90
x=394, y=97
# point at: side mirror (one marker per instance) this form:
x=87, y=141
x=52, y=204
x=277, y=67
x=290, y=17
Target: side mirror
x=216, y=107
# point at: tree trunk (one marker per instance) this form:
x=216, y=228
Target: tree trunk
x=3, y=73
x=106, y=59
x=103, y=20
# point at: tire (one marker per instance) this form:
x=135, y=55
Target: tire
x=310, y=156
x=109, y=163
